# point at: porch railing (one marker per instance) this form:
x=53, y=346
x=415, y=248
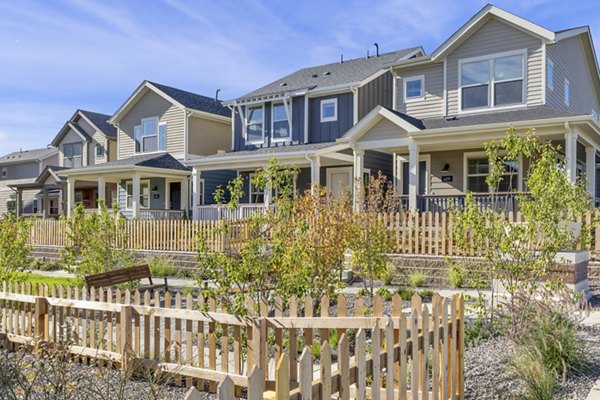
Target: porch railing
x=218, y=212
x=162, y=214
x=506, y=202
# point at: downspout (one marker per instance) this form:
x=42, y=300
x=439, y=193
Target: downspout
x=394, y=89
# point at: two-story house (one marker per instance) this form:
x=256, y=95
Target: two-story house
x=298, y=119
x=497, y=70
x=22, y=168
x=157, y=128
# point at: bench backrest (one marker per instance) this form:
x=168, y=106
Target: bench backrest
x=118, y=276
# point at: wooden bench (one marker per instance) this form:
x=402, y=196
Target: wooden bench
x=123, y=275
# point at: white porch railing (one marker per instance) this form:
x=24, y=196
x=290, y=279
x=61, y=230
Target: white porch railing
x=162, y=214
x=218, y=212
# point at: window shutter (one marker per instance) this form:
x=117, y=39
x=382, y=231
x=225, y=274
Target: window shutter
x=162, y=136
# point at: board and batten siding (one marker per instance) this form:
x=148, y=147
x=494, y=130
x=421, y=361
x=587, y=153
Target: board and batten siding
x=152, y=105
x=570, y=62
x=72, y=137
x=432, y=105
x=320, y=132
x=377, y=161
x=497, y=37
x=207, y=136
x=379, y=91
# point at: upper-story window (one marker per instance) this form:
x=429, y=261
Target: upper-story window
x=4, y=174
x=550, y=75
x=99, y=150
x=280, y=126
x=150, y=136
x=492, y=81
x=255, y=123
x=414, y=88
x=72, y=154
x=328, y=110
x=567, y=92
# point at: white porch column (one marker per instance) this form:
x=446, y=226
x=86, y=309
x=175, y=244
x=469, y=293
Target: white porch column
x=70, y=196
x=18, y=202
x=395, y=172
x=135, y=196
x=196, y=201
x=101, y=191
x=590, y=169
x=413, y=175
x=185, y=195
x=358, y=167
x=45, y=204
x=571, y=155
x=268, y=195
x=315, y=174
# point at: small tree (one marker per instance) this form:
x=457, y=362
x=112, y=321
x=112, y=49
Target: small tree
x=14, y=246
x=97, y=242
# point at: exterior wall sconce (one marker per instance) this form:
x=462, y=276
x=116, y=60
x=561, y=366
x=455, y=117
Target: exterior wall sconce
x=446, y=168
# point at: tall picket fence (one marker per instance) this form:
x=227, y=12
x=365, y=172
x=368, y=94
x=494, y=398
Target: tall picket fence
x=306, y=349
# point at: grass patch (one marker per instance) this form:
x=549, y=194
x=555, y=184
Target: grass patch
x=49, y=280
x=161, y=266
x=416, y=279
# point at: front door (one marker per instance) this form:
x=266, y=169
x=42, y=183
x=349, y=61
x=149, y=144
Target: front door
x=175, y=196
x=422, y=178
x=339, y=180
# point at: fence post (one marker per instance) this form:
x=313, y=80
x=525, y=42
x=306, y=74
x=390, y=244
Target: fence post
x=41, y=321
x=126, y=333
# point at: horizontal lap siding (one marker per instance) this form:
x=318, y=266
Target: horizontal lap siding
x=570, y=62
x=6, y=194
x=152, y=105
x=433, y=103
x=377, y=92
x=98, y=138
x=497, y=37
x=384, y=129
x=206, y=136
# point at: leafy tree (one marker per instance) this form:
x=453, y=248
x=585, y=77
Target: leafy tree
x=97, y=242
x=14, y=246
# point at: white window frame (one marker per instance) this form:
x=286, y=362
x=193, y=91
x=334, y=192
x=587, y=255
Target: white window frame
x=100, y=146
x=482, y=154
x=420, y=78
x=335, y=109
x=247, y=121
x=4, y=173
x=201, y=189
x=143, y=182
x=158, y=126
x=567, y=93
x=251, y=193
x=289, y=138
x=34, y=206
x=550, y=77
x=492, y=82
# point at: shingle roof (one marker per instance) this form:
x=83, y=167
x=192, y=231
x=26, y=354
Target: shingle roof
x=273, y=150
x=101, y=122
x=154, y=160
x=330, y=74
x=194, y=101
x=27, y=155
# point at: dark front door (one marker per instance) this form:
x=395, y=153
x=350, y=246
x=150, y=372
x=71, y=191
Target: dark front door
x=175, y=196
x=422, y=177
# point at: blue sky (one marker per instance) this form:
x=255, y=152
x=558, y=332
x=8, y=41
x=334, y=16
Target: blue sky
x=58, y=56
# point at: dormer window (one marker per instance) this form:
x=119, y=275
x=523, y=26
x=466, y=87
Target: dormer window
x=329, y=110
x=414, y=88
x=255, y=124
x=280, y=126
x=72, y=155
x=99, y=150
x=492, y=81
x=150, y=136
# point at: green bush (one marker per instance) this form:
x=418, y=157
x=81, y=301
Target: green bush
x=416, y=279
x=386, y=294
x=389, y=273
x=539, y=381
x=14, y=247
x=456, y=275
x=161, y=266
x=362, y=292
x=426, y=293
x=405, y=293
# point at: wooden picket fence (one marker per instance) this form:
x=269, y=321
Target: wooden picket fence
x=412, y=353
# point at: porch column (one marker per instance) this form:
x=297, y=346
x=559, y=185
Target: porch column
x=135, y=196
x=315, y=174
x=70, y=196
x=268, y=195
x=590, y=170
x=395, y=174
x=18, y=202
x=185, y=195
x=413, y=175
x=101, y=191
x=196, y=201
x=358, y=167
x=45, y=204
x=571, y=155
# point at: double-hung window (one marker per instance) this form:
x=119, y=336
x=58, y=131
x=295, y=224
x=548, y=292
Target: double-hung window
x=257, y=195
x=72, y=154
x=144, y=194
x=496, y=81
x=478, y=169
x=255, y=124
x=99, y=150
x=150, y=136
x=329, y=110
x=414, y=88
x=280, y=125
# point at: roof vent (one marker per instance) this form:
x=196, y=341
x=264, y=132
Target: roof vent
x=342, y=59
x=315, y=76
x=327, y=73
x=283, y=84
x=377, y=49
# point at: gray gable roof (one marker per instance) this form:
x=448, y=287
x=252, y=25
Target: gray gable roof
x=154, y=160
x=194, y=101
x=101, y=122
x=27, y=155
x=330, y=74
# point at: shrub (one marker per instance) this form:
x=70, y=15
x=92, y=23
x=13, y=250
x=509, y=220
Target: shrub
x=539, y=381
x=385, y=293
x=416, y=279
x=456, y=275
x=405, y=293
x=161, y=266
x=14, y=247
x=427, y=293
x=362, y=292
x=388, y=275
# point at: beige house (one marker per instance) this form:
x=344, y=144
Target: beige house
x=497, y=70
x=157, y=128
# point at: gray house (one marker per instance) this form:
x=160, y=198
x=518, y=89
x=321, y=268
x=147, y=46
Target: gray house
x=298, y=119
x=22, y=168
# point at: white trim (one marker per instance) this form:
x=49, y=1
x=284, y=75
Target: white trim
x=401, y=159
x=413, y=78
x=233, y=118
x=338, y=170
x=354, y=106
x=567, y=93
x=306, y=119
x=445, y=93
x=335, y=109
x=142, y=182
x=250, y=192
x=549, y=84
x=492, y=82
x=394, y=89
x=261, y=141
x=544, y=73
x=483, y=154
x=288, y=114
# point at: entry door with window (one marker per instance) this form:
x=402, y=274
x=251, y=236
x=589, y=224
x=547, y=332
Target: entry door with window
x=175, y=196
x=339, y=180
x=422, y=178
